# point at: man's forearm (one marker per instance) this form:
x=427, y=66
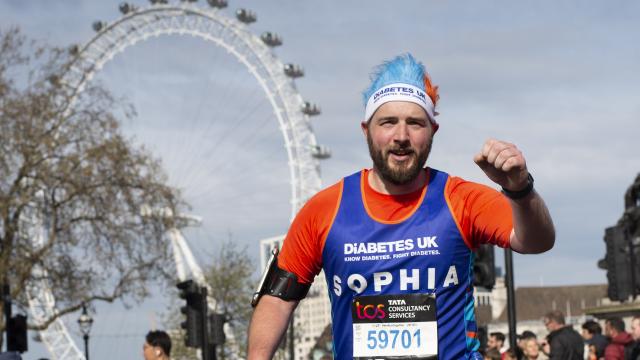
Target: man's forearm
x=533, y=228
x=268, y=324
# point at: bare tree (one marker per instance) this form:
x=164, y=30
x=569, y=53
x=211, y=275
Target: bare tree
x=232, y=281
x=100, y=203
x=233, y=284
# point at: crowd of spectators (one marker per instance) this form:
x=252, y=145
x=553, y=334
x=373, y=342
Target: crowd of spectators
x=563, y=342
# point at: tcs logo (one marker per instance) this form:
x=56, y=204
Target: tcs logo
x=370, y=311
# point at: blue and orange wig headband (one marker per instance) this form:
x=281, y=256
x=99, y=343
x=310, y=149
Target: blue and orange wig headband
x=401, y=79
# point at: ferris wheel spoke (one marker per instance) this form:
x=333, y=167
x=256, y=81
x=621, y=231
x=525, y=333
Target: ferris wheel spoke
x=236, y=124
x=190, y=146
x=193, y=167
x=248, y=142
x=239, y=177
x=195, y=127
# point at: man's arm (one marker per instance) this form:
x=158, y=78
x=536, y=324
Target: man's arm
x=533, y=230
x=556, y=350
x=268, y=325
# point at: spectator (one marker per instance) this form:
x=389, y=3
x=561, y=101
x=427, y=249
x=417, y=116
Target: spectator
x=620, y=339
x=496, y=341
x=157, y=346
x=530, y=349
x=492, y=354
x=509, y=355
x=592, y=335
x=526, y=335
x=564, y=342
x=635, y=334
x=591, y=353
x=522, y=338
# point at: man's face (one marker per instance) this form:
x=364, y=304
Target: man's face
x=531, y=348
x=550, y=324
x=635, y=329
x=608, y=329
x=586, y=335
x=494, y=343
x=399, y=136
x=149, y=352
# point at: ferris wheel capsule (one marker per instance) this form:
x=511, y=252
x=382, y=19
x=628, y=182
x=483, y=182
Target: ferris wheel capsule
x=246, y=16
x=310, y=109
x=293, y=70
x=126, y=8
x=74, y=50
x=271, y=39
x=218, y=3
x=98, y=25
x=320, y=152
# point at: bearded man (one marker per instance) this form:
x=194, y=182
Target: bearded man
x=396, y=241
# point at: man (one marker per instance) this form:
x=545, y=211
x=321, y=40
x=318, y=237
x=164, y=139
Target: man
x=496, y=341
x=592, y=335
x=509, y=355
x=395, y=241
x=492, y=354
x=635, y=334
x=564, y=343
x=620, y=339
x=157, y=346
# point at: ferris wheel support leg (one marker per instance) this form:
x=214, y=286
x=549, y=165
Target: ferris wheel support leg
x=174, y=235
x=196, y=271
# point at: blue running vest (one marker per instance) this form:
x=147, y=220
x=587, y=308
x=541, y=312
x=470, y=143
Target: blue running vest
x=427, y=245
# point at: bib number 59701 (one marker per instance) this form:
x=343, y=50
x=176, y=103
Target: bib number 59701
x=393, y=339
x=395, y=326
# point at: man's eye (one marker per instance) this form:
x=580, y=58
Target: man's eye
x=417, y=123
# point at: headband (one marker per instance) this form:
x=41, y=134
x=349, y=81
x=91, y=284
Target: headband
x=400, y=92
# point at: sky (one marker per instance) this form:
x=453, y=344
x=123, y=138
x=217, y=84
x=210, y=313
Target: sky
x=556, y=78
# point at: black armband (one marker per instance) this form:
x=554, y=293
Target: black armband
x=285, y=285
x=279, y=283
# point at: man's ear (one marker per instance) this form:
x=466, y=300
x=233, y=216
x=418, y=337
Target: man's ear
x=158, y=352
x=365, y=128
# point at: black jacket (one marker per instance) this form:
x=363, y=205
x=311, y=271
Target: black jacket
x=634, y=351
x=565, y=344
x=600, y=342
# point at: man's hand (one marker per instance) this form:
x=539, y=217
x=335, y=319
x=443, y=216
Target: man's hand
x=533, y=230
x=545, y=348
x=503, y=163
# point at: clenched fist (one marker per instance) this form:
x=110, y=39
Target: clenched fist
x=503, y=163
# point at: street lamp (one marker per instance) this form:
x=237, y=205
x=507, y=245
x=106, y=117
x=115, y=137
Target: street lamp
x=85, y=321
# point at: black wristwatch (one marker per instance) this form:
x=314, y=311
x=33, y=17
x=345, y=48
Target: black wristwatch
x=515, y=195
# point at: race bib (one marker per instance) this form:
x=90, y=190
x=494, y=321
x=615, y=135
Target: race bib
x=395, y=327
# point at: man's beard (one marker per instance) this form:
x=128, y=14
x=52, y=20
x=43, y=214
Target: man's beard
x=402, y=173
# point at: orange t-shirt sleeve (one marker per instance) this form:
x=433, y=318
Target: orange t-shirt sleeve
x=483, y=214
x=301, y=251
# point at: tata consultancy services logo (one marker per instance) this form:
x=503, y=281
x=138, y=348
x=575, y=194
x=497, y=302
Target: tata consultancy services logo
x=370, y=311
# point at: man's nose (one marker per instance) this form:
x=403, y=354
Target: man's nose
x=401, y=133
